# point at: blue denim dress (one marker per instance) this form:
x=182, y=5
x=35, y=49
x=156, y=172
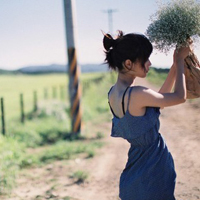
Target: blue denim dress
x=149, y=173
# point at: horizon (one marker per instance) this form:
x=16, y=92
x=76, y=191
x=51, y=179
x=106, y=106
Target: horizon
x=80, y=65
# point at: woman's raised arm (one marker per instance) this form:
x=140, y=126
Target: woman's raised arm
x=147, y=97
x=169, y=81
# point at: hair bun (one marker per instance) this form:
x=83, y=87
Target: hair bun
x=108, y=41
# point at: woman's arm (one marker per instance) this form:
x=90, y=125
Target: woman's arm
x=144, y=97
x=169, y=82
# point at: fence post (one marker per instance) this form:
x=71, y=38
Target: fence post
x=54, y=91
x=3, y=117
x=35, y=106
x=22, y=108
x=45, y=93
x=61, y=92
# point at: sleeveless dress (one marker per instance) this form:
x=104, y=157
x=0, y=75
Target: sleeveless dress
x=149, y=173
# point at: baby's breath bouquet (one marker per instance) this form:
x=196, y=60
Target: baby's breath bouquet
x=172, y=26
x=173, y=23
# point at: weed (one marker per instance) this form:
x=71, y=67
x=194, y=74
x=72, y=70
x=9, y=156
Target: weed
x=80, y=176
x=99, y=135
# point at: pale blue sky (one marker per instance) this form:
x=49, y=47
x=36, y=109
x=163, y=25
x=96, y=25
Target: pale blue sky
x=32, y=32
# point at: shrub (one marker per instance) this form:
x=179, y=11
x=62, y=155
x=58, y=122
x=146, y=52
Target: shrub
x=11, y=152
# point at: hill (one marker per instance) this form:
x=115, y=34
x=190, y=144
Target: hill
x=57, y=68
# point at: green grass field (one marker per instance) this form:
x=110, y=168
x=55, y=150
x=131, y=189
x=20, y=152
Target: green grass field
x=50, y=127
x=12, y=85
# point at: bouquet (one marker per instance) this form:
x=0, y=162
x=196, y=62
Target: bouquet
x=172, y=25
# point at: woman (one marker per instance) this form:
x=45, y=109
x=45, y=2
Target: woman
x=149, y=173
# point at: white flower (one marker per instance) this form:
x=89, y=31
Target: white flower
x=173, y=23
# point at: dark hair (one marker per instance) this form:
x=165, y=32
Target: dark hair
x=135, y=47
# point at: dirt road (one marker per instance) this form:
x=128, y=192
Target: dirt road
x=180, y=126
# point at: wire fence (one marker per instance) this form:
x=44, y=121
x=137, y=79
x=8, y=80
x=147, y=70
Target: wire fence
x=54, y=92
x=61, y=91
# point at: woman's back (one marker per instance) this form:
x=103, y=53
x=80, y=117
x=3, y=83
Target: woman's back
x=118, y=100
x=129, y=126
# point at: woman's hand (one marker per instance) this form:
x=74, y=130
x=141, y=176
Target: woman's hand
x=180, y=54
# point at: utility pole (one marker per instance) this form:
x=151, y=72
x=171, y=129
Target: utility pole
x=73, y=70
x=110, y=19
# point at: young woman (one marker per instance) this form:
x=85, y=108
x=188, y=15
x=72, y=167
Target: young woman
x=149, y=173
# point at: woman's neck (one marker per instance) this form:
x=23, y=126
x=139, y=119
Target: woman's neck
x=125, y=80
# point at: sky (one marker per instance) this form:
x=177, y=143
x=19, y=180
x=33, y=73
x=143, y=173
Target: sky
x=32, y=32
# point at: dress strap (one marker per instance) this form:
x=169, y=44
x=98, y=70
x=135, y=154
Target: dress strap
x=123, y=100
x=129, y=96
x=109, y=101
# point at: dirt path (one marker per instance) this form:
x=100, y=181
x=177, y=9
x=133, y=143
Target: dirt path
x=180, y=127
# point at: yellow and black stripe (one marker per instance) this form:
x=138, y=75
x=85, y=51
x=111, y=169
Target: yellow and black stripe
x=75, y=91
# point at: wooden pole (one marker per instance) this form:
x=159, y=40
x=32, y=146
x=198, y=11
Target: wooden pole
x=62, y=92
x=54, y=92
x=35, y=106
x=3, y=117
x=22, y=108
x=73, y=70
x=45, y=93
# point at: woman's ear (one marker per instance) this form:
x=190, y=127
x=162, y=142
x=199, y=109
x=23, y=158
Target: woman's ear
x=128, y=64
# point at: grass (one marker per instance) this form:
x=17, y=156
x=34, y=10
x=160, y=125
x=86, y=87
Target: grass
x=80, y=176
x=62, y=150
x=12, y=85
x=99, y=135
x=95, y=101
x=45, y=136
x=157, y=76
x=14, y=156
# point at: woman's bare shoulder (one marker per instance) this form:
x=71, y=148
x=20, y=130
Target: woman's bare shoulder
x=139, y=89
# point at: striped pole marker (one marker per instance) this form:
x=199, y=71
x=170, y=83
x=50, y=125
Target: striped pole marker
x=74, y=71
x=75, y=91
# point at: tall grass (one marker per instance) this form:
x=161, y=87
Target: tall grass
x=49, y=127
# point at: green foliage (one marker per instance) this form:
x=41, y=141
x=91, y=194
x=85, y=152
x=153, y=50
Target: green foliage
x=39, y=132
x=45, y=135
x=94, y=100
x=14, y=156
x=99, y=135
x=80, y=176
x=11, y=153
x=48, y=128
x=173, y=23
x=157, y=76
x=64, y=150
